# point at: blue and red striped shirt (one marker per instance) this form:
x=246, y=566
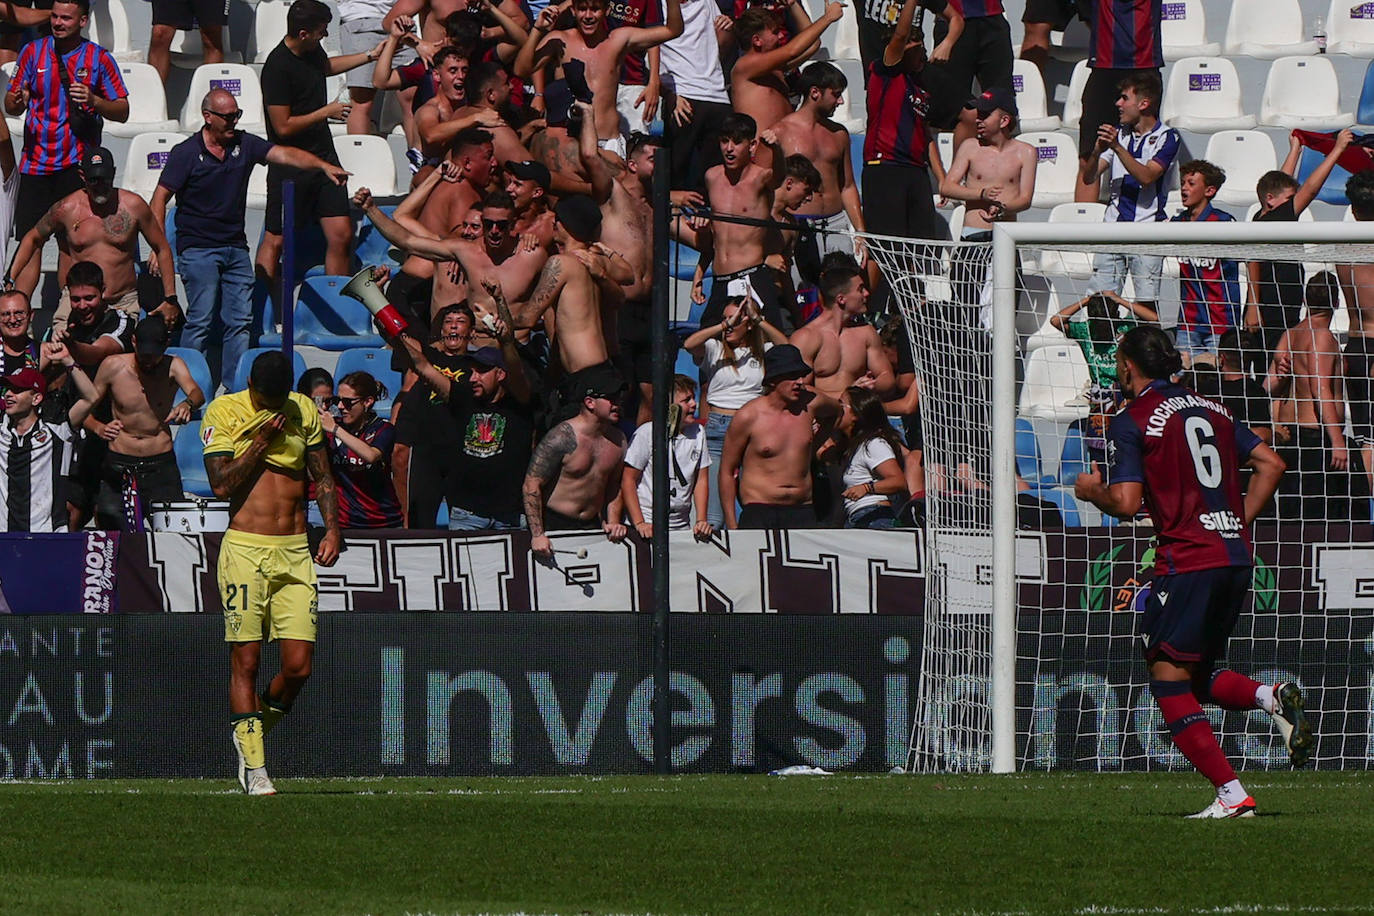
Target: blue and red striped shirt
x=367, y=497
x=1209, y=288
x=897, y=112
x=972, y=9
x=49, y=142
x=1126, y=35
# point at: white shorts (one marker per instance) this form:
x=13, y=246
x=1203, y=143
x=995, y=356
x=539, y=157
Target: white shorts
x=833, y=233
x=615, y=145
x=358, y=36
x=631, y=118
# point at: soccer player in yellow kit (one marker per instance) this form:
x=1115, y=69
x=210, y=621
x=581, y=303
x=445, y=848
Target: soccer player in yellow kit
x=259, y=446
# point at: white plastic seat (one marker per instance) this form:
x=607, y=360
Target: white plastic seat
x=944, y=142
x=109, y=27
x=1183, y=31
x=145, y=161
x=240, y=80
x=147, y=102
x=1057, y=170
x=1203, y=94
x=369, y=159
x=1244, y=155
x=1303, y=93
x=16, y=124
x=1055, y=375
x=1073, y=104
x=1076, y=264
x=188, y=52
x=1266, y=29
x=334, y=88
x=1029, y=87
x=269, y=27
x=257, y=188
x=1350, y=29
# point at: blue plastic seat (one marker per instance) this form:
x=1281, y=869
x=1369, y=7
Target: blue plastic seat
x=1068, y=507
x=1333, y=191
x=266, y=317
x=1364, y=112
x=189, y=451
x=1075, y=458
x=1028, y=461
x=856, y=156
x=372, y=248
x=328, y=319
x=200, y=371
x=682, y=261
x=239, y=380
x=376, y=362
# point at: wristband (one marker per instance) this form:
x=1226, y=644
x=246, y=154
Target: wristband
x=172, y=299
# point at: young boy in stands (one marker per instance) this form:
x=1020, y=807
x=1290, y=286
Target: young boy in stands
x=1208, y=288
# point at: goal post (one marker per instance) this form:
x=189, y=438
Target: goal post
x=979, y=705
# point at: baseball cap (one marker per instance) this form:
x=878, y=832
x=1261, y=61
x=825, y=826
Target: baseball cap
x=98, y=163
x=580, y=215
x=529, y=170
x=489, y=358
x=601, y=381
x=783, y=361
x=26, y=379
x=993, y=98
x=151, y=336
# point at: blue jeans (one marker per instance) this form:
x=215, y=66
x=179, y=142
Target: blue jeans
x=1196, y=342
x=1110, y=272
x=462, y=520
x=219, y=290
x=716, y=425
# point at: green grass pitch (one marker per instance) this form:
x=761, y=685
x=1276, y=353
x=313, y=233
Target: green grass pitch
x=688, y=844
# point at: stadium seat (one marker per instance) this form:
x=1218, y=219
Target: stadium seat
x=147, y=102
x=376, y=362
x=1183, y=30
x=15, y=124
x=145, y=160
x=682, y=260
x=241, y=81
x=1055, y=376
x=336, y=87
x=1074, y=458
x=1303, y=93
x=239, y=380
x=369, y=158
x=856, y=157
x=1073, y=103
x=109, y=27
x=269, y=25
x=1027, y=452
x=1244, y=155
x=841, y=40
x=1071, y=263
x=188, y=53
x=257, y=189
x=1057, y=172
x=200, y=371
x=944, y=142
x=1266, y=29
x=1203, y=94
x=372, y=248
x=1364, y=111
x=328, y=319
x=1350, y=29
x=1029, y=87
x=1065, y=502
x=190, y=455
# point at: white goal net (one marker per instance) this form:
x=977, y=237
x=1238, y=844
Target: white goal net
x=1029, y=655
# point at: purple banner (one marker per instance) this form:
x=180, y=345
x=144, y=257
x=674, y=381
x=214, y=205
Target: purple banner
x=58, y=573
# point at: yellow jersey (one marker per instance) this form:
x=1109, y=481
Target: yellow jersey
x=231, y=421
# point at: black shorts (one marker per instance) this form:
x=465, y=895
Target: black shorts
x=636, y=361
x=1189, y=616
x=191, y=14
x=9, y=28
x=1058, y=13
x=982, y=52
x=1099, y=105
x=84, y=482
x=317, y=197
x=39, y=192
x=411, y=295
x=765, y=286
x=1359, y=387
x=158, y=480
x=761, y=515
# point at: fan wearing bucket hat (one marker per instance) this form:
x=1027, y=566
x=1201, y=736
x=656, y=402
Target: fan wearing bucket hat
x=770, y=444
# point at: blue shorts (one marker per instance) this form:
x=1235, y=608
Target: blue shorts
x=1189, y=616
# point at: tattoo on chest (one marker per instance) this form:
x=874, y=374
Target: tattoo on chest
x=117, y=224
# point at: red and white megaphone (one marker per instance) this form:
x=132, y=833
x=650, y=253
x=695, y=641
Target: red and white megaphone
x=365, y=290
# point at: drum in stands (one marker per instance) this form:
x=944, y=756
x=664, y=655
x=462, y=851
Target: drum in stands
x=189, y=516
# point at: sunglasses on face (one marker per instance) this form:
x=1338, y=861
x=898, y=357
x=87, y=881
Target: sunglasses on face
x=497, y=223
x=230, y=118
x=345, y=403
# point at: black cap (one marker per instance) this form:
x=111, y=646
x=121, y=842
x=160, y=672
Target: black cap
x=529, y=170
x=580, y=215
x=600, y=381
x=488, y=358
x=98, y=163
x=783, y=361
x=151, y=336
x=993, y=98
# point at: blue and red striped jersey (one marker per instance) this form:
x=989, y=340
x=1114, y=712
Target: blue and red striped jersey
x=1187, y=451
x=367, y=497
x=1126, y=35
x=49, y=143
x=897, y=112
x=1209, y=288
x=972, y=9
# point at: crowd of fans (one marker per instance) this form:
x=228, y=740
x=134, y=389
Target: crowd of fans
x=526, y=272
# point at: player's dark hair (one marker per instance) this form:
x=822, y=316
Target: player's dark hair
x=1145, y=85
x=754, y=21
x=1273, y=182
x=448, y=51
x=870, y=422
x=1360, y=191
x=312, y=378
x=1101, y=319
x=487, y=74
x=684, y=384
x=363, y=383
x=270, y=375
x=469, y=137
x=1152, y=350
x=836, y=280
x=803, y=170
x=86, y=273
x=1322, y=293
x=738, y=127
x=837, y=259
x=1213, y=176
x=498, y=200
x=306, y=16
x=821, y=75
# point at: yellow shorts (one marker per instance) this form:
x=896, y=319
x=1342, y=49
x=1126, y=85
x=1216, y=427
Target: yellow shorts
x=267, y=582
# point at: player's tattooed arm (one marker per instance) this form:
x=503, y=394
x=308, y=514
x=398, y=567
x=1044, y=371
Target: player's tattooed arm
x=545, y=465
x=327, y=498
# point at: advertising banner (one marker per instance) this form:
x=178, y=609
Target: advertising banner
x=58, y=573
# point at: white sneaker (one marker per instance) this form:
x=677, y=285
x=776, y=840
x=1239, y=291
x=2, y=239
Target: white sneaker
x=1218, y=809
x=1291, y=719
x=259, y=784
x=242, y=771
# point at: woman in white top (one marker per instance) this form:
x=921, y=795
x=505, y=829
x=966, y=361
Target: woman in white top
x=871, y=458
x=730, y=356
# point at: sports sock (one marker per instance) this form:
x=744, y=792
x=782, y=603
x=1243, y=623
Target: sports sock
x=1233, y=793
x=1230, y=690
x=1191, y=731
x=271, y=710
x=248, y=728
x=1264, y=697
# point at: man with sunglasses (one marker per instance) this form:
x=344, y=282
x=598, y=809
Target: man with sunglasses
x=208, y=173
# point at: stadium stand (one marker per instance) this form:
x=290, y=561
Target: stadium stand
x=269, y=25
x=328, y=319
x=147, y=102
x=1184, y=31
x=240, y=80
x=1302, y=93
x=1203, y=94
x=1073, y=101
x=1266, y=29
x=1029, y=87
x=368, y=158
x=189, y=452
x=1244, y=155
x=376, y=361
x=1057, y=173
x=109, y=28
x=1054, y=375
x=145, y=160
x=1349, y=29
x=200, y=371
